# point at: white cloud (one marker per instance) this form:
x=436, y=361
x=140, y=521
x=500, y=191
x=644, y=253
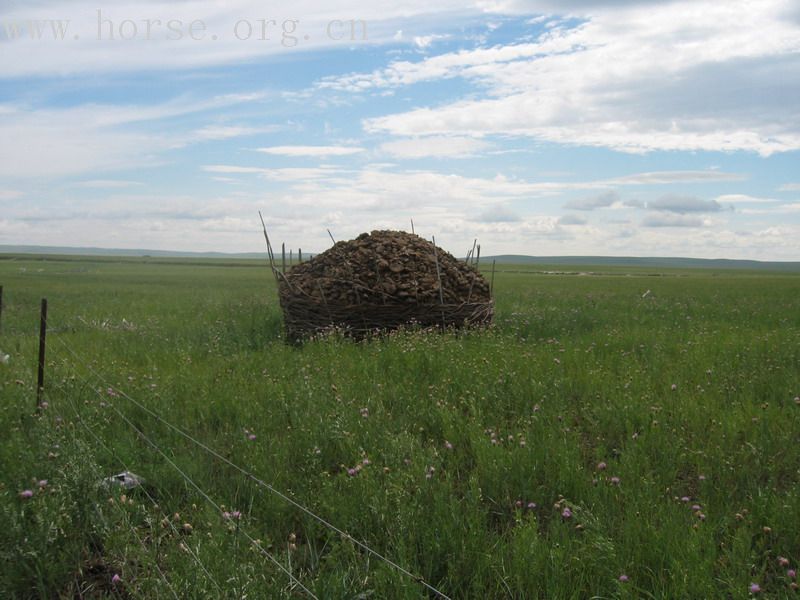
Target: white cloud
x=604, y=200
x=506, y=215
x=683, y=204
x=665, y=177
x=288, y=174
x=499, y=214
x=87, y=54
x=743, y=199
x=435, y=147
x=311, y=150
x=673, y=220
x=87, y=138
x=462, y=63
x=224, y=132
x=106, y=183
x=423, y=41
x=233, y=169
x=626, y=79
x=572, y=220
x=10, y=194
x=791, y=208
x=789, y=187
x=499, y=185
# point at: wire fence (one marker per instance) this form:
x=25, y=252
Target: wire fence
x=109, y=401
x=78, y=362
x=118, y=459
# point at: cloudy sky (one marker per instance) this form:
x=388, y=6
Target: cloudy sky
x=539, y=127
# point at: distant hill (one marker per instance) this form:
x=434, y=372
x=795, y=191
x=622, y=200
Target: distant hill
x=134, y=252
x=508, y=259
x=636, y=261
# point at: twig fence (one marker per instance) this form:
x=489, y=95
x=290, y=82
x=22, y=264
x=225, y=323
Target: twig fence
x=307, y=314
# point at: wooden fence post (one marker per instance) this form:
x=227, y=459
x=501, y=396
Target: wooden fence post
x=42, y=347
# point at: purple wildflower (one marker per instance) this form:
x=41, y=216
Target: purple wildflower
x=116, y=579
x=755, y=588
x=566, y=513
x=601, y=466
x=352, y=472
x=26, y=494
x=791, y=574
x=42, y=483
x=614, y=481
x=623, y=578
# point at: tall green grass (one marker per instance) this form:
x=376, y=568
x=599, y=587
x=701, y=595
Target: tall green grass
x=470, y=459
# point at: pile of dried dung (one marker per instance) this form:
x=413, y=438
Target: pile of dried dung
x=379, y=281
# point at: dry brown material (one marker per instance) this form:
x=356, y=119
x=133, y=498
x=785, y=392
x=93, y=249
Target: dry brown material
x=381, y=281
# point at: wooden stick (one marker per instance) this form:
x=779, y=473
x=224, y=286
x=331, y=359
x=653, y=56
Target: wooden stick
x=491, y=285
x=42, y=349
x=270, y=255
x=331, y=235
x=283, y=258
x=438, y=272
x=439, y=277
x=325, y=302
x=412, y=226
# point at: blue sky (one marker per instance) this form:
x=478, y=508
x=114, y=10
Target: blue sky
x=547, y=128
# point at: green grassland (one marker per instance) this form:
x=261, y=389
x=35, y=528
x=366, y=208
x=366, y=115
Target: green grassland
x=472, y=460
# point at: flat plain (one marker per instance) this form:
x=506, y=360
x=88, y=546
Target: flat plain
x=617, y=433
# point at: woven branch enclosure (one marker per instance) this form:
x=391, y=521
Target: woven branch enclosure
x=380, y=282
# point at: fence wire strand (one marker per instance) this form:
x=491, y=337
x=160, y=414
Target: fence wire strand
x=293, y=579
x=152, y=500
x=249, y=475
x=122, y=512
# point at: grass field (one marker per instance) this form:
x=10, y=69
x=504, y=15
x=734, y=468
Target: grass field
x=599, y=441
